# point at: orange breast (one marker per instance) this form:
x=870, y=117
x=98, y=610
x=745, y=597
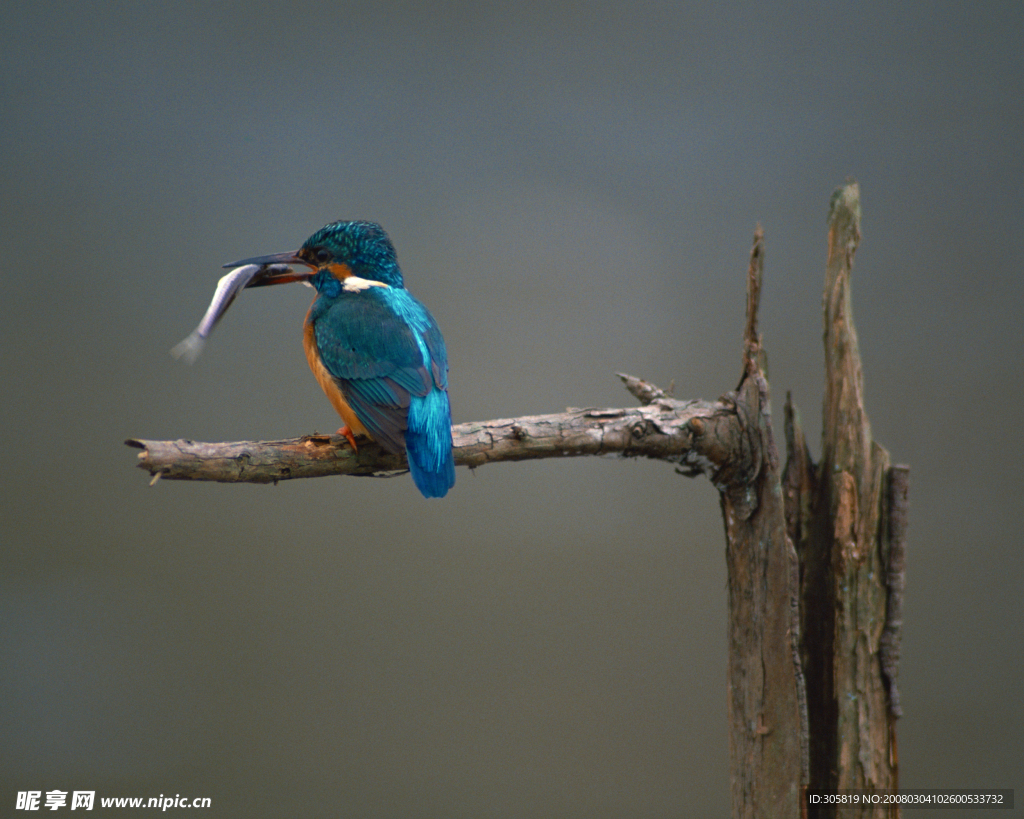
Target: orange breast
x=327, y=382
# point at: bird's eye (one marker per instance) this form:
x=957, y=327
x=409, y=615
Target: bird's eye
x=322, y=254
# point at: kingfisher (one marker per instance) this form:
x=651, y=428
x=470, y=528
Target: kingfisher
x=374, y=349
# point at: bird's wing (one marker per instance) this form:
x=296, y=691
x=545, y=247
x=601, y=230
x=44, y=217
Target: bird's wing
x=378, y=361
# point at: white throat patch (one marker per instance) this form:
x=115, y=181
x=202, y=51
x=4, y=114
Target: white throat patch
x=353, y=284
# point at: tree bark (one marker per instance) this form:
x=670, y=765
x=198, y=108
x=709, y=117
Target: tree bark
x=663, y=428
x=767, y=698
x=840, y=516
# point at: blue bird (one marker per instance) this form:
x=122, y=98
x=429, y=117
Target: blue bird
x=373, y=347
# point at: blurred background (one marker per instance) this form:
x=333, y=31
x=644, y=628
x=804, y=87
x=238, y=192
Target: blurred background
x=572, y=190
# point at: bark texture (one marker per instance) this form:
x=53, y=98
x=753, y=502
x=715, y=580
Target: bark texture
x=839, y=516
x=687, y=433
x=766, y=694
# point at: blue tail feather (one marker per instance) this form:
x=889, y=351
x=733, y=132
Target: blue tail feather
x=428, y=443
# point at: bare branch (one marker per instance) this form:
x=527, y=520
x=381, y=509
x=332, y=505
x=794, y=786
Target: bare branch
x=697, y=435
x=645, y=392
x=752, y=350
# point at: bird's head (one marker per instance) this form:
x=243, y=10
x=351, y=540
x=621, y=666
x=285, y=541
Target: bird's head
x=359, y=252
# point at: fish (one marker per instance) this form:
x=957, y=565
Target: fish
x=227, y=288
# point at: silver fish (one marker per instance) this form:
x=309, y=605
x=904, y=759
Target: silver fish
x=227, y=288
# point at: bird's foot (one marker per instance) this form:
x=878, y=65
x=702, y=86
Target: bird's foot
x=351, y=438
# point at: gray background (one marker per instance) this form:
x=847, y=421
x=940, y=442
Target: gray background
x=572, y=191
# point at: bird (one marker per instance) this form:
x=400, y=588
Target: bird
x=373, y=347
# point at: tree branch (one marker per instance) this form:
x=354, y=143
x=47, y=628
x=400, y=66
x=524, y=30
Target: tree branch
x=695, y=435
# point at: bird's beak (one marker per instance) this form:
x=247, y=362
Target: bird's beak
x=277, y=268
